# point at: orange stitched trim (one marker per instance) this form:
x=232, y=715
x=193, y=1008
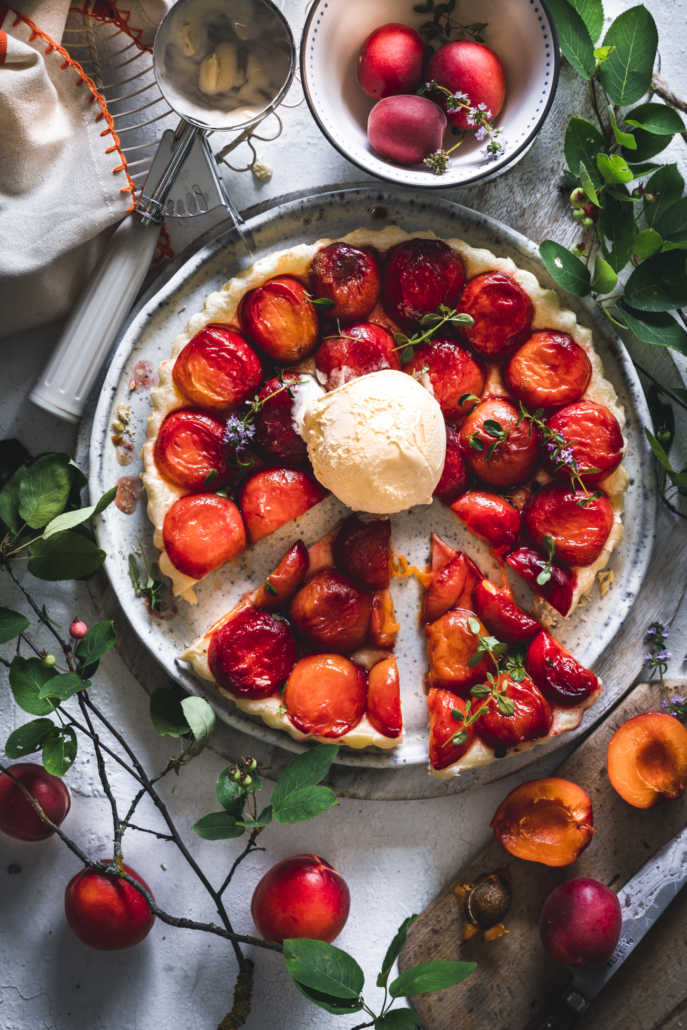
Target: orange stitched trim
x=162, y=245
x=106, y=12
x=104, y=113
x=3, y=44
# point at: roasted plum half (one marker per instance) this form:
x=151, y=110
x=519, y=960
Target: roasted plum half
x=594, y=441
x=331, y=613
x=280, y=319
x=282, y=584
x=348, y=276
x=502, y=314
x=189, y=446
x=453, y=373
x=276, y=439
x=549, y=371
x=325, y=694
x=451, y=587
x=362, y=550
x=201, y=532
x=559, y=589
x=217, y=369
x=272, y=497
x=455, y=478
x=443, y=728
x=384, y=698
x=419, y=276
x=559, y=676
x=357, y=351
x=531, y=719
x=503, y=617
x=490, y=517
x=579, y=525
x=548, y=820
x=498, y=461
x=450, y=646
x=252, y=654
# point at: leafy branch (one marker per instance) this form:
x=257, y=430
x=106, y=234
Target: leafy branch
x=434, y=321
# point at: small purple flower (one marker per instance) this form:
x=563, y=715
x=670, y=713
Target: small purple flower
x=663, y=656
x=471, y=116
x=664, y=704
x=238, y=433
x=487, y=115
x=566, y=456
x=428, y=85
x=480, y=134
x=648, y=657
x=665, y=632
x=678, y=700
x=481, y=107
x=550, y=447
x=463, y=97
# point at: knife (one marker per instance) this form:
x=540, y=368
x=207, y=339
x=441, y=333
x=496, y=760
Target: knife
x=642, y=900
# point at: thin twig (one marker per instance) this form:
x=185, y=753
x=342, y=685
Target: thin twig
x=117, y=840
x=142, y=829
x=249, y=848
x=66, y=648
x=117, y=758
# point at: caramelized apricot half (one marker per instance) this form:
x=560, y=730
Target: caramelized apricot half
x=355, y=352
x=531, y=719
x=451, y=587
x=384, y=698
x=217, y=369
x=548, y=821
x=594, y=439
x=201, y=532
x=647, y=759
x=443, y=728
x=450, y=645
x=502, y=616
x=272, y=497
x=490, y=517
x=383, y=625
x=502, y=314
x=362, y=550
x=280, y=319
x=282, y=584
x=325, y=694
x=455, y=478
x=418, y=276
x=548, y=371
x=559, y=676
x=348, y=276
x=189, y=446
x=453, y=373
x=499, y=461
x=276, y=439
x=331, y=613
x=251, y=655
x=560, y=588
x=579, y=525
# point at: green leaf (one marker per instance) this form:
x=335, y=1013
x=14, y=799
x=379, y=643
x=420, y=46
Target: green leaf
x=617, y=230
x=59, y=750
x=659, y=453
x=27, y=676
x=568, y=271
x=574, y=38
x=398, y=1019
x=626, y=75
x=201, y=718
x=264, y=819
x=305, y=770
x=657, y=327
x=97, y=642
x=11, y=624
x=583, y=141
x=300, y=805
x=647, y=243
x=167, y=715
x=592, y=14
x=66, y=555
x=44, y=489
x=429, y=976
x=394, y=950
x=659, y=284
x=646, y=146
x=602, y=53
x=9, y=501
x=324, y=968
x=623, y=139
x=614, y=169
x=588, y=185
x=69, y=519
x=218, y=826
x=605, y=279
x=656, y=118
x=668, y=184
x=63, y=686
x=28, y=738
x=337, y=1006
x=230, y=795
x=672, y=225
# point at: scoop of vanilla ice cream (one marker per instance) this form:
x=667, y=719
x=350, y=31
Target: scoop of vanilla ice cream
x=378, y=443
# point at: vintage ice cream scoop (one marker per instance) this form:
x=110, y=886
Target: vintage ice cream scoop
x=221, y=65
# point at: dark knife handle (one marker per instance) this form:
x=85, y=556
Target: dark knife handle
x=561, y=1015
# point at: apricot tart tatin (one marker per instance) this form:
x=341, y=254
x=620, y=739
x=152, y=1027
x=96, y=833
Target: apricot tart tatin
x=310, y=650
x=549, y=371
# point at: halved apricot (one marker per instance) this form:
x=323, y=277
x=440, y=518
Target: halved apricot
x=384, y=698
x=217, y=369
x=276, y=438
x=282, y=584
x=580, y=526
x=558, y=591
x=453, y=372
x=531, y=719
x=272, y=497
x=325, y=694
x=355, y=352
x=348, y=276
x=189, y=446
x=251, y=655
x=383, y=625
x=548, y=821
x=280, y=319
x=455, y=478
x=362, y=550
x=451, y=587
x=443, y=728
x=498, y=461
x=647, y=759
x=201, y=532
x=331, y=613
x=418, y=276
x=502, y=616
x=548, y=371
x=595, y=441
x=450, y=645
x=502, y=314
x=559, y=676
x=490, y=517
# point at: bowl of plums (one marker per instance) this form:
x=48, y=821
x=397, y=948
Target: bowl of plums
x=431, y=94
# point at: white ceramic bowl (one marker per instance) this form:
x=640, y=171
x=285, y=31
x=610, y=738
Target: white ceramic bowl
x=521, y=32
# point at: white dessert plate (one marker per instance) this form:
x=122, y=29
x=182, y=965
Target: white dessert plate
x=148, y=337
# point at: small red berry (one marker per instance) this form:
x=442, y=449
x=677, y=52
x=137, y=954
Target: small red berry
x=592, y=211
x=78, y=630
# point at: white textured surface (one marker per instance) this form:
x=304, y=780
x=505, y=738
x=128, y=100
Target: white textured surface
x=394, y=855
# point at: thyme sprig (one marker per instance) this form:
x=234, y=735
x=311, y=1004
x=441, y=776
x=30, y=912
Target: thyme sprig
x=240, y=430
x=442, y=31
x=479, y=118
x=434, y=321
x=560, y=452
x=657, y=658
x=498, y=652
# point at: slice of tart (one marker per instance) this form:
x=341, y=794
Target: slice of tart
x=498, y=682
x=310, y=651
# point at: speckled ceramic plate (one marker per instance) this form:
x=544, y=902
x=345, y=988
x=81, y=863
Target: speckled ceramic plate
x=148, y=336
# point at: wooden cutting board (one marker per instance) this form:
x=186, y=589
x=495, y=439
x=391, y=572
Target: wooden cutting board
x=515, y=978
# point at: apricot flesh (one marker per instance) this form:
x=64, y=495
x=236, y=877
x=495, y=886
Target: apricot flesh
x=443, y=728
x=406, y=129
x=331, y=613
x=418, y=276
x=325, y=694
x=490, y=517
x=450, y=645
x=301, y=896
x=453, y=372
x=512, y=460
x=384, y=698
x=548, y=820
x=17, y=816
x=455, y=478
x=251, y=655
x=580, y=922
x=594, y=438
x=550, y=370
x=531, y=719
x=647, y=759
x=349, y=277
x=362, y=550
x=502, y=616
x=580, y=526
x=285, y=580
x=272, y=497
x=358, y=351
x=280, y=319
x=201, y=532
x=502, y=314
x=217, y=369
